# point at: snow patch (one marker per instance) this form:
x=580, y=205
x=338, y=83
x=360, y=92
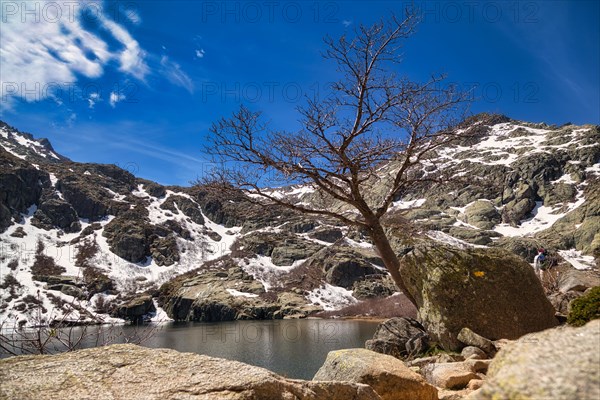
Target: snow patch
x=566, y=178
x=543, y=218
x=442, y=237
x=237, y=293
x=406, y=204
x=331, y=297
x=577, y=259
x=263, y=270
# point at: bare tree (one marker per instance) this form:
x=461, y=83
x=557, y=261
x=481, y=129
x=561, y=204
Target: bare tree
x=370, y=119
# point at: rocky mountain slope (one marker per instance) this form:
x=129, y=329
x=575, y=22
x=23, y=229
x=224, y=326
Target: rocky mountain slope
x=91, y=242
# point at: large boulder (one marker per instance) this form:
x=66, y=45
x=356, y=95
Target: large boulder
x=527, y=248
x=482, y=214
x=131, y=372
x=128, y=239
x=377, y=286
x=283, y=248
x=490, y=291
x=452, y=375
x=391, y=379
x=58, y=213
x=343, y=266
x=558, y=364
x=135, y=308
x=399, y=337
x=515, y=211
x=579, y=281
x=214, y=296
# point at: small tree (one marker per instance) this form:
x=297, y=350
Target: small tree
x=373, y=128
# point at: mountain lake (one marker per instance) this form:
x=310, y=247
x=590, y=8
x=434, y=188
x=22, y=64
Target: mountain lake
x=294, y=348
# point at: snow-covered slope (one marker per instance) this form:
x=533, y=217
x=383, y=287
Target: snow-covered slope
x=107, y=236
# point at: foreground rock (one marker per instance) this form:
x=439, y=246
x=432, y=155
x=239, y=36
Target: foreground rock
x=399, y=337
x=390, y=378
x=132, y=372
x=455, y=375
x=558, y=364
x=489, y=291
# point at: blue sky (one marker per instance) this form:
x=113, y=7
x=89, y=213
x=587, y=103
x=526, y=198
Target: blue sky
x=138, y=83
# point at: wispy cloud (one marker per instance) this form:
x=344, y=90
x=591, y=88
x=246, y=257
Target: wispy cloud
x=39, y=55
x=115, y=98
x=200, y=53
x=93, y=98
x=173, y=72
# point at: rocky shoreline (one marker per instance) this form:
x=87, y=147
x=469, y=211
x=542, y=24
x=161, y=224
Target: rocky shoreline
x=558, y=363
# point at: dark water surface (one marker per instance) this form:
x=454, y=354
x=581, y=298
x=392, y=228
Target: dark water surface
x=292, y=348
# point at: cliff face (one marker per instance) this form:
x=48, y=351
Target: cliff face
x=98, y=235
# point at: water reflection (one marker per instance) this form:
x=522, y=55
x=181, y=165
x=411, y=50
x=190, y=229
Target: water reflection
x=293, y=348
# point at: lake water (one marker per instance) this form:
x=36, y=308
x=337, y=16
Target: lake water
x=292, y=348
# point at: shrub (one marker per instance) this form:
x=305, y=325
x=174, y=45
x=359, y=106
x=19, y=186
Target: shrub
x=585, y=308
x=96, y=281
x=13, y=265
x=45, y=265
x=9, y=282
x=85, y=252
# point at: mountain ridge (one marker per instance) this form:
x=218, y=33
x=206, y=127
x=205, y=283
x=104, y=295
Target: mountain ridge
x=113, y=236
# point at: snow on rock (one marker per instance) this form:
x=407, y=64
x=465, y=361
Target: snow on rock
x=331, y=297
x=237, y=293
x=354, y=243
x=543, y=218
x=263, y=270
x=116, y=196
x=502, y=147
x=566, y=178
x=22, y=251
x=160, y=315
x=406, y=204
x=442, y=237
x=577, y=259
x=594, y=169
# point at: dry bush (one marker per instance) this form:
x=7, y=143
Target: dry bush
x=13, y=265
x=10, y=282
x=85, y=252
x=44, y=265
x=69, y=332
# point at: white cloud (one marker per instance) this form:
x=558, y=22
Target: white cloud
x=173, y=72
x=132, y=57
x=93, y=99
x=115, y=98
x=346, y=23
x=40, y=57
x=200, y=53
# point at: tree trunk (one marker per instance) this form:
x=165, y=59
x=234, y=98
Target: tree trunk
x=389, y=257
